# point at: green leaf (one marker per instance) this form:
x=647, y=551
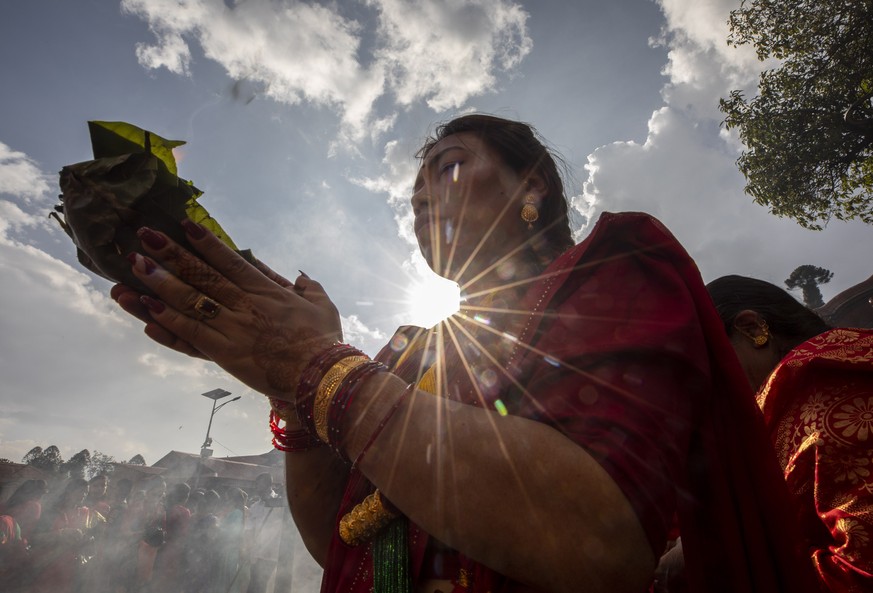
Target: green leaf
x=198, y=214
x=115, y=138
x=131, y=183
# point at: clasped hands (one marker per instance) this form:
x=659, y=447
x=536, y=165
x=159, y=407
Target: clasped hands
x=265, y=328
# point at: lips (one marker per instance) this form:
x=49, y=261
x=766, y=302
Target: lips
x=420, y=222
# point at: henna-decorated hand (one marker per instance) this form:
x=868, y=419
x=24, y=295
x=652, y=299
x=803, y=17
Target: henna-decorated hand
x=266, y=328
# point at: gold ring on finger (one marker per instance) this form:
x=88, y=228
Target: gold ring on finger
x=206, y=308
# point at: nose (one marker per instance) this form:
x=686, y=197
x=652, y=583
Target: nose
x=420, y=200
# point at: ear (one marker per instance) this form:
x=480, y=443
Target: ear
x=535, y=185
x=749, y=322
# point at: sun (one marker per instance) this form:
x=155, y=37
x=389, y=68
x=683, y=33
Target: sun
x=432, y=299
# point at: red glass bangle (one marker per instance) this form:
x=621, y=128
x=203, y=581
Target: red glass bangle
x=284, y=410
x=291, y=441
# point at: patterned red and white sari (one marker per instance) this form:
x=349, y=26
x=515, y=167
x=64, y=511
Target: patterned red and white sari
x=818, y=406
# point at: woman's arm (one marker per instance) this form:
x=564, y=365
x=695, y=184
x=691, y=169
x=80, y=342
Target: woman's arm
x=315, y=482
x=509, y=492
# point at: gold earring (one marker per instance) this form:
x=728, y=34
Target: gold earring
x=760, y=340
x=529, y=212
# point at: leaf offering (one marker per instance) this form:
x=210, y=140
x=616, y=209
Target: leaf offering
x=132, y=182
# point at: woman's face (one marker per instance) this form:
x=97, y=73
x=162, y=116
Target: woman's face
x=466, y=203
x=98, y=486
x=757, y=362
x=76, y=495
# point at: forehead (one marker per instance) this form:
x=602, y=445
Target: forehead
x=469, y=141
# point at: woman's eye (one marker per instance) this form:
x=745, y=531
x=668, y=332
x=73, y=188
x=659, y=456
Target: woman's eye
x=454, y=169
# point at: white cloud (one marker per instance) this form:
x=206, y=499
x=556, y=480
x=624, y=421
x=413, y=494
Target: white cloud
x=701, y=66
x=165, y=363
x=20, y=176
x=440, y=52
x=446, y=52
x=395, y=180
x=356, y=332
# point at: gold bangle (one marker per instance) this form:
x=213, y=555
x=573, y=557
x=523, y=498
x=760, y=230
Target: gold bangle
x=365, y=520
x=327, y=389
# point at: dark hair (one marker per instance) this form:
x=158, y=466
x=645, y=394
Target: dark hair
x=72, y=486
x=28, y=490
x=124, y=486
x=212, y=497
x=521, y=149
x=178, y=494
x=236, y=498
x=790, y=321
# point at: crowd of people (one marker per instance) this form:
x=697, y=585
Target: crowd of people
x=103, y=536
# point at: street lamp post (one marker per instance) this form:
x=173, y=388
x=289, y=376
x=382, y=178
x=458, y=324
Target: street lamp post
x=214, y=395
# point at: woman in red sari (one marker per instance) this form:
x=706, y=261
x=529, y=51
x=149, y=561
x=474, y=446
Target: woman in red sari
x=60, y=539
x=815, y=388
x=542, y=439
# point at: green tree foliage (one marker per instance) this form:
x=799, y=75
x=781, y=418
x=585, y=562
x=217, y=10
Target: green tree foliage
x=100, y=463
x=48, y=459
x=809, y=132
x=75, y=466
x=137, y=460
x=808, y=278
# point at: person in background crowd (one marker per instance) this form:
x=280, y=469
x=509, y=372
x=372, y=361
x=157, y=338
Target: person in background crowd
x=60, y=539
x=98, y=487
x=815, y=388
x=152, y=529
x=120, y=538
x=13, y=551
x=25, y=505
x=170, y=559
x=233, y=567
x=202, y=549
x=264, y=528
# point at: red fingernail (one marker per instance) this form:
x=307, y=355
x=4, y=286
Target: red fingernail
x=152, y=304
x=151, y=238
x=194, y=230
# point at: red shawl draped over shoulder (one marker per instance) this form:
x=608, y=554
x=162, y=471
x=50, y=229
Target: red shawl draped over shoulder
x=624, y=354
x=818, y=406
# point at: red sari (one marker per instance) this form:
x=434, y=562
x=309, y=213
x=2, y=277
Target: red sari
x=818, y=406
x=623, y=353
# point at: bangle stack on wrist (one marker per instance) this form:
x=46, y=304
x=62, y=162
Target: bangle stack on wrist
x=327, y=390
x=346, y=391
x=327, y=387
x=312, y=376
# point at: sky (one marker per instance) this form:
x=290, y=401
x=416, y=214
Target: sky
x=301, y=121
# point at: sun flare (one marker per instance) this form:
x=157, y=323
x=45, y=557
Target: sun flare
x=431, y=300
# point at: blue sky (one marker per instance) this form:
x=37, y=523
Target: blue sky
x=301, y=121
